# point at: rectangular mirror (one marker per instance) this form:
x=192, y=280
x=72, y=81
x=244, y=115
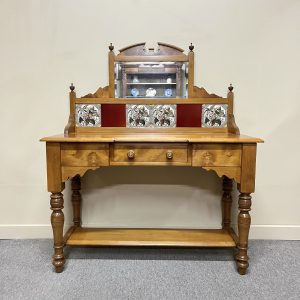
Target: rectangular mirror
x=151, y=79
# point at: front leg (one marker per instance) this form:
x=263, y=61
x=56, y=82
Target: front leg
x=57, y=222
x=244, y=221
x=246, y=187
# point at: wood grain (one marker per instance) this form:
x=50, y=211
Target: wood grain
x=153, y=58
x=248, y=168
x=140, y=131
x=54, y=180
x=127, y=50
x=231, y=172
x=57, y=222
x=231, y=125
x=151, y=237
x=222, y=150
x=111, y=74
x=70, y=127
x=173, y=47
x=191, y=75
x=69, y=172
x=244, y=221
x=85, y=155
x=140, y=48
x=192, y=135
x=149, y=153
x=100, y=93
x=202, y=93
x=153, y=101
x=216, y=155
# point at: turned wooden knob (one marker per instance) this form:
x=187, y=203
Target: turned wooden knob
x=169, y=154
x=131, y=154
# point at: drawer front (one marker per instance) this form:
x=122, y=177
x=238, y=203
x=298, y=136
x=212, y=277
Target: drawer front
x=217, y=155
x=151, y=154
x=85, y=154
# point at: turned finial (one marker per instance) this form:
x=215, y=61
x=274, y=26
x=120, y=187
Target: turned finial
x=72, y=87
x=191, y=47
x=230, y=88
x=111, y=47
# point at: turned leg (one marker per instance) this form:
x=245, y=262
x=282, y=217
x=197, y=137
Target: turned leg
x=244, y=221
x=57, y=222
x=226, y=202
x=76, y=200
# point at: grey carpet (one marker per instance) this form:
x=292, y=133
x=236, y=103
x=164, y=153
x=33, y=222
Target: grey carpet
x=148, y=273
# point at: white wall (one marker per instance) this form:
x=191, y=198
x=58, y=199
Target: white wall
x=46, y=45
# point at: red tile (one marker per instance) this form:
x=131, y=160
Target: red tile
x=189, y=115
x=113, y=115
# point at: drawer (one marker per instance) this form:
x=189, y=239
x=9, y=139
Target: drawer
x=218, y=155
x=149, y=154
x=84, y=154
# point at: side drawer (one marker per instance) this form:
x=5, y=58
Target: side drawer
x=217, y=155
x=149, y=154
x=85, y=154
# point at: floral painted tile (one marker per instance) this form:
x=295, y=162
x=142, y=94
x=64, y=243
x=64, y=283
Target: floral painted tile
x=88, y=115
x=164, y=115
x=214, y=115
x=138, y=115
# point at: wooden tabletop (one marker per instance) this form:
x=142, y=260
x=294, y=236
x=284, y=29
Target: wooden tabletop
x=160, y=135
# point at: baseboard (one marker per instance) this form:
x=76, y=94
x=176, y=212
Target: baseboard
x=26, y=231
x=38, y=231
x=275, y=232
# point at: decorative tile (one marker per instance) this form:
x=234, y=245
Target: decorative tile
x=214, y=115
x=164, y=115
x=138, y=115
x=88, y=115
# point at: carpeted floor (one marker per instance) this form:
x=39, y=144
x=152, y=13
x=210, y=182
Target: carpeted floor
x=148, y=273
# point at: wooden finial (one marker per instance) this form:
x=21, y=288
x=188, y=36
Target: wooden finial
x=230, y=88
x=72, y=87
x=111, y=47
x=191, y=47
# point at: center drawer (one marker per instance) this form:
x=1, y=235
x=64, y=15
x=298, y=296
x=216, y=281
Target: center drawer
x=149, y=154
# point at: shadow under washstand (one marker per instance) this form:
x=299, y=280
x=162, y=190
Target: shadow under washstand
x=150, y=253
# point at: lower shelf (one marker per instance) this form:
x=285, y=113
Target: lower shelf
x=150, y=237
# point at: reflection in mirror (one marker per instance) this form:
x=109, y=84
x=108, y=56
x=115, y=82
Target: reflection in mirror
x=151, y=80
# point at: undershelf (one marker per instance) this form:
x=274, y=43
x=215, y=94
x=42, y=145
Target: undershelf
x=150, y=237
